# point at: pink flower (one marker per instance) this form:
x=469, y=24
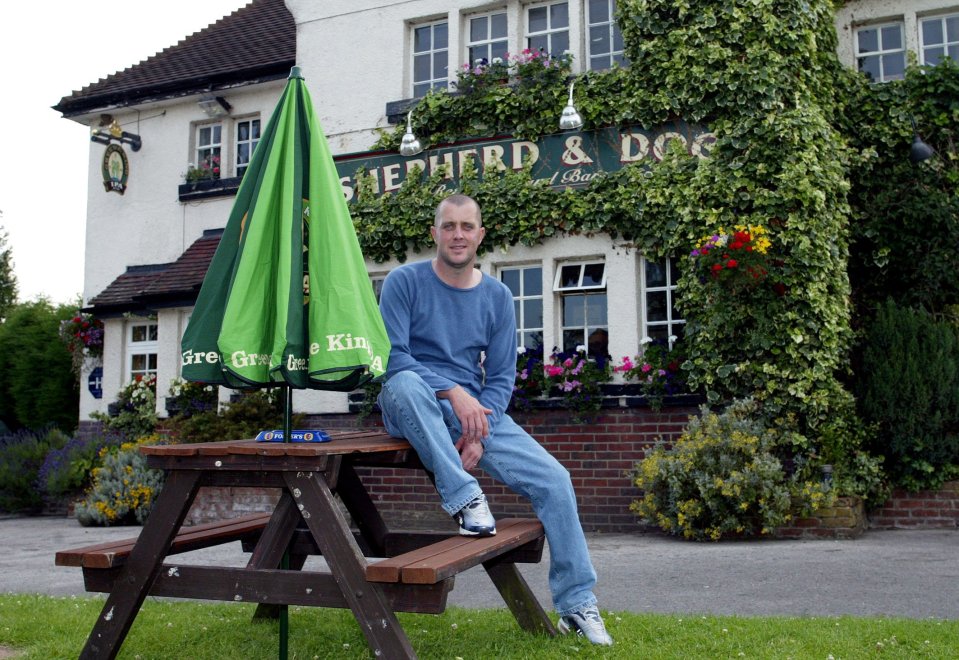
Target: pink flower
x=553, y=370
x=646, y=367
x=568, y=362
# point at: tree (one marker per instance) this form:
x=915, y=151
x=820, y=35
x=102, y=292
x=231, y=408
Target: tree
x=8, y=281
x=37, y=387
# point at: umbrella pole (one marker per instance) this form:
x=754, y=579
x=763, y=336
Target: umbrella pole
x=285, y=562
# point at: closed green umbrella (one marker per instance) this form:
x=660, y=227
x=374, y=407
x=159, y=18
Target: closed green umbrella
x=287, y=299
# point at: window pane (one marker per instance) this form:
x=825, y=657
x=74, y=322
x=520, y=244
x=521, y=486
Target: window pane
x=243, y=131
x=617, y=40
x=216, y=134
x=516, y=312
x=559, y=15
x=891, y=37
x=440, y=63
x=479, y=29
x=932, y=32
x=420, y=90
x=954, y=52
x=596, y=310
x=537, y=19
x=498, y=26
x=539, y=43
x=138, y=362
x=952, y=28
x=533, y=281
x=533, y=339
x=243, y=153
x=477, y=53
x=656, y=306
x=560, y=43
x=598, y=345
x=569, y=276
x=534, y=313
x=656, y=273
x=868, y=41
x=152, y=361
x=593, y=274
x=440, y=36
x=658, y=332
x=599, y=39
x=421, y=67
x=598, y=11
x=256, y=129
x=931, y=56
x=870, y=66
x=893, y=66
x=572, y=339
x=422, y=39
x=499, y=49
x=597, y=63
x=511, y=279
x=673, y=311
x=204, y=135
x=574, y=310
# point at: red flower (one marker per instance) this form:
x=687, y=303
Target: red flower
x=732, y=263
x=717, y=268
x=735, y=245
x=742, y=237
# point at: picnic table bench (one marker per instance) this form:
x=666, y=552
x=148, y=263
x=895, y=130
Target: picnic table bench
x=374, y=571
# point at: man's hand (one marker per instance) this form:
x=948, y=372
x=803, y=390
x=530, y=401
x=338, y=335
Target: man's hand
x=473, y=420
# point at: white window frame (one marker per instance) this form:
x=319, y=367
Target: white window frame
x=433, y=81
x=671, y=323
x=946, y=43
x=550, y=30
x=212, y=148
x=487, y=43
x=612, y=32
x=881, y=52
x=147, y=347
x=240, y=168
x=520, y=300
x=580, y=290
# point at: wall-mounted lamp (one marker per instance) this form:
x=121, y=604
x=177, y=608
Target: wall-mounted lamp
x=570, y=118
x=113, y=132
x=214, y=106
x=919, y=151
x=410, y=146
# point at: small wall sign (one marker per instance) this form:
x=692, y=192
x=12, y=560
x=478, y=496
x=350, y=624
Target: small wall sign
x=115, y=169
x=95, y=383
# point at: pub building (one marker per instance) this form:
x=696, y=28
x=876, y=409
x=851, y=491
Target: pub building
x=171, y=137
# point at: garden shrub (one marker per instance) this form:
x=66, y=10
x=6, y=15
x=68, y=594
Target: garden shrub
x=250, y=413
x=123, y=489
x=133, y=414
x=67, y=470
x=722, y=477
x=909, y=387
x=21, y=457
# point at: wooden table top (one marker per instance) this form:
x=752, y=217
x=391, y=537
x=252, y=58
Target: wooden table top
x=341, y=443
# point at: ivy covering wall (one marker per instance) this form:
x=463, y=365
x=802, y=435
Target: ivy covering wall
x=763, y=75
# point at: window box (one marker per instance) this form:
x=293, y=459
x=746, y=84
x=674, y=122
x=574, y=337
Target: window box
x=189, y=192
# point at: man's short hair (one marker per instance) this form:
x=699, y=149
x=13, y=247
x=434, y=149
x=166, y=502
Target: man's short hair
x=457, y=200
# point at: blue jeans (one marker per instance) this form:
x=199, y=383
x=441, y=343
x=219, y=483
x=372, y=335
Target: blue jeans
x=412, y=411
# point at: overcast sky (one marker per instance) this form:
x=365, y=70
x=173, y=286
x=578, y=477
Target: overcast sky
x=48, y=49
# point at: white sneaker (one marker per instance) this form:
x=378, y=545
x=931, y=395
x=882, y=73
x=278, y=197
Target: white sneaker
x=475, y=518
x=587, y=623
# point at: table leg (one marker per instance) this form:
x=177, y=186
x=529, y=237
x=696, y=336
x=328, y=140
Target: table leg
x=142, y=566
x=361, y=507
x=519, y=597
x=379, y=624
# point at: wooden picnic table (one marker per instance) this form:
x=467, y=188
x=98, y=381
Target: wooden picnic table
x=374, y=572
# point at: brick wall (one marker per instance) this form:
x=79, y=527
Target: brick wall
x=926, y=509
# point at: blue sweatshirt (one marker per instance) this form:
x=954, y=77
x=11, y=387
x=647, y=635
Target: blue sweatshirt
x=440, y=332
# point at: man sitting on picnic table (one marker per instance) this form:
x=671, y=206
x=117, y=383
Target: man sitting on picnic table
x=449, y=380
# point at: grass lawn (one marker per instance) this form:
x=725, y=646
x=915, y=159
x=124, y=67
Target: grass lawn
x=46, y=627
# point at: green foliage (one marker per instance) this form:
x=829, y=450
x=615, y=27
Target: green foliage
x=252, y=412
x=21, y=457
x=909, y=387
x=66, y=471
x=8, y=280
x=133, y=414
x=187, y=398
x=37, y=387
x=722, y=477
x=906, y=216
x=123, y=489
